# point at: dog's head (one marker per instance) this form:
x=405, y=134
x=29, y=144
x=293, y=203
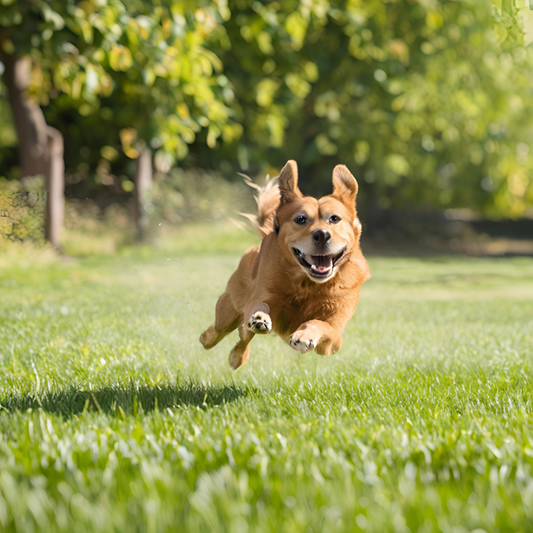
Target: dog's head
x=318, y=235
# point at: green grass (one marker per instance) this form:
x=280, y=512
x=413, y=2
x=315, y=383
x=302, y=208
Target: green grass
x=112, y=417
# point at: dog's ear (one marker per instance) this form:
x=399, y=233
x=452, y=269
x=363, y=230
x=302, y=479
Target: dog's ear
x=345, y=186
x=288, y=183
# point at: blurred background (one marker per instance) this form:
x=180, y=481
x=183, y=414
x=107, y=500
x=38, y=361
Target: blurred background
x=136, y=117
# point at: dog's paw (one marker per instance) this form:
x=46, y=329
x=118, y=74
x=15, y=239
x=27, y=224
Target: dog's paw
x=300, y=343
x=260, y=323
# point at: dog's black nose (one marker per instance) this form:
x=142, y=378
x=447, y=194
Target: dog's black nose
x=321, y=236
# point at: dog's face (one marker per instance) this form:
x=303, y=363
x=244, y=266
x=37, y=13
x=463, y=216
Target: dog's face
x=318, y=235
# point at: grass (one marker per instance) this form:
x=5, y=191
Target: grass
x=112, y=418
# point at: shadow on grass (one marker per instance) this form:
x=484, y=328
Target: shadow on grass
x=123, y=399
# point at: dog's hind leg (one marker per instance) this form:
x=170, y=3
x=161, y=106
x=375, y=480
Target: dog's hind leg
x=241, y=350
x=227, y=319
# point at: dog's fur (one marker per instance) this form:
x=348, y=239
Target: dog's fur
x=281, y=286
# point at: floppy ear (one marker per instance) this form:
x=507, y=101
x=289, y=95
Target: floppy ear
x=344, y=184
x=288, y=183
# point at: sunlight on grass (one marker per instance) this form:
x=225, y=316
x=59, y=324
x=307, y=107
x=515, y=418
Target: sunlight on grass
x=113, y=418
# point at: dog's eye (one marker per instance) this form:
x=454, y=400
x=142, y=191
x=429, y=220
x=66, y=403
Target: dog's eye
x=300, y=219
x=334, y=219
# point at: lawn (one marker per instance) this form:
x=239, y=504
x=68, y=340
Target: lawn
x=112, y=417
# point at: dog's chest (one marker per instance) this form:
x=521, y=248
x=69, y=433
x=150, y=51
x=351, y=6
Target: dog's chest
x=289, y=313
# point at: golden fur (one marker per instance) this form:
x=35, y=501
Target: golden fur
x=303, y=281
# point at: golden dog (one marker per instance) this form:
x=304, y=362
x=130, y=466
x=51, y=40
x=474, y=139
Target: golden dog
x=303, y=281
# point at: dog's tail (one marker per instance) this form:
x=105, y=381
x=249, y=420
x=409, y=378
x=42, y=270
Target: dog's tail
x=267, y=199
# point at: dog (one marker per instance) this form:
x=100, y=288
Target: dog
x=303, y=281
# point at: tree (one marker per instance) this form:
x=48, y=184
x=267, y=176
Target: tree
x=144, y=58
x=428, y=103
x=40, y=146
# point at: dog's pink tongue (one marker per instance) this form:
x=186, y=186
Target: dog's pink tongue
x=322, y=263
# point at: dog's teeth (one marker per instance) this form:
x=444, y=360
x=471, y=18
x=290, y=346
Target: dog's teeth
x=313, y=267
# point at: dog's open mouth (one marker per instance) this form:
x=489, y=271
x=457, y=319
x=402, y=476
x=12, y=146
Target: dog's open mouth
x=318, y=266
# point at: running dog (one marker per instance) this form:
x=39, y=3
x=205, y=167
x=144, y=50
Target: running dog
x=303, y=281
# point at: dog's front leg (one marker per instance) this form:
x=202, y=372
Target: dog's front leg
x=257, y=318
x=316, y=335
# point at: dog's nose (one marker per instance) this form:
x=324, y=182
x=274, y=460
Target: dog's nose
x=321, y=236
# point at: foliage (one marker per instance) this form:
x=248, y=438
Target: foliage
x=427, y=102
x=112, y=418
x=21, y=215
x=139, y=68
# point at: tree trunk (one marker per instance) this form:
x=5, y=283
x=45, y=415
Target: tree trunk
x=55, y=186
x=143, y=184
x=40, y=146
x=28, y=117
